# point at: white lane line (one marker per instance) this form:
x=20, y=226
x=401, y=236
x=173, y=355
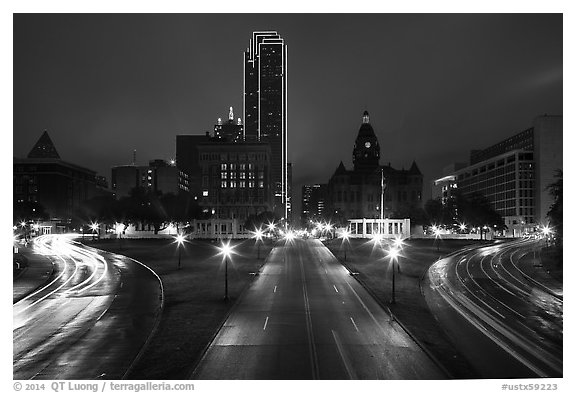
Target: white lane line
x=265, y=323
x=342, y=353
x=336, y=289
x=275, y=288
x=354, y=323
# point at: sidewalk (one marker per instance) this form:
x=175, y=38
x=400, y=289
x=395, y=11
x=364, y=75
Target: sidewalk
x=36, y=273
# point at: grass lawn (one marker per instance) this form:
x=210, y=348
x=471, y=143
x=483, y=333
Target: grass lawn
x=410, y=309
x=194, y=307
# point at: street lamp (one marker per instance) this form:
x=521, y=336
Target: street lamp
x=345, y=235
x=94, y=226
x=436, y=236
x=179, y=241
x=393, y=254
x=546, y=231
x=225, y=251
x=258, y=236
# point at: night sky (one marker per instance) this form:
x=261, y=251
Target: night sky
x=436, y=85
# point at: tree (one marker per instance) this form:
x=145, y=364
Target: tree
x=476, y=210
x=434, y=211
x=556, y=209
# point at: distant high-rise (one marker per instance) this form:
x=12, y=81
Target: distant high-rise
x=265, y=105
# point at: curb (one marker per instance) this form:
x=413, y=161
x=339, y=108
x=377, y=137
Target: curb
x=196, y=363
x=394, y=318
x=158, y=316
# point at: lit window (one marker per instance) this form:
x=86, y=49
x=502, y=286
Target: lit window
x=205, y=193
x=242, y=175
x=261, y=184
x=251, y=175
x=224, y=175
x=233, y=184
x=223, y=184
x=223, y=167
x=251, y=184
x=242, y=184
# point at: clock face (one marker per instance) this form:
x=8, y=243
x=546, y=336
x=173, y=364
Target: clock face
x=367, y=144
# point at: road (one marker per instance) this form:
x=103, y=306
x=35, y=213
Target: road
x=305, y=317
x=522, y=314
x=90, y=320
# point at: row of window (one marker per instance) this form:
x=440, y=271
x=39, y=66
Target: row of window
x=241, y=184
x=228, y=157
x=242, y=175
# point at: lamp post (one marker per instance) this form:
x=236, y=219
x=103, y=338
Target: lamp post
x=179, y=242
x=436, y=231
x=94, y=226
x=258, y=236
x=345, y=235
x=393, y=254
x=398, y=244
x=226, y=251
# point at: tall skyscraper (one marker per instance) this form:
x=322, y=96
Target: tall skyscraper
x=265, y=105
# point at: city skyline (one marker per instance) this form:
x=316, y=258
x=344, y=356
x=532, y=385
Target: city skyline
x=436, y=86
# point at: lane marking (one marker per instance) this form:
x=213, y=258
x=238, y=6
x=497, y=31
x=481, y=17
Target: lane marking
x=275, y=288
x=354, y=323
x=336, y=289
x=309, y=331
x=345, y=360
x=265, y=323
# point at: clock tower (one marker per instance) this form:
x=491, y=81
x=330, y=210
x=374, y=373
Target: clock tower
x=366, y=154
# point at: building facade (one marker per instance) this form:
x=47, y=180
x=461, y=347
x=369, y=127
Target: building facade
x=265, y=105
x=313, y=203
x=236, y=179
x=59, y=186
x=157, y=176
x=361, y=191
x=514, y=174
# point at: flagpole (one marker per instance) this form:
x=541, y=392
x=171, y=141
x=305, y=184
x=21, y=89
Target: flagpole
x=381, y=199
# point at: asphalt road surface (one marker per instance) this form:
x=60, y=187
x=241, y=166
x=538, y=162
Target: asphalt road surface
x=305, y=317
x=90, y=320
x=521, y=314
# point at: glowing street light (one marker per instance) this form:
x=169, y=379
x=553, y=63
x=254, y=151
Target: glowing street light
x=179, y=242
x=94, y=226
x=436, y=231
x=258, y=236
x=345, y=235
x=462, y=227
x=398, y=243
x=393, y=254
x=289, y=236
x=226, y=252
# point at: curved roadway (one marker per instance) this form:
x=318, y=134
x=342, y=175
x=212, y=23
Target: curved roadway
x=490, y=287
x=90, y=320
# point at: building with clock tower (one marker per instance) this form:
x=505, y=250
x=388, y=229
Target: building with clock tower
x=366, y=153
x=356, y=193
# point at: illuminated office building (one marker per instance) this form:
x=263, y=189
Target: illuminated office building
x=265, y=106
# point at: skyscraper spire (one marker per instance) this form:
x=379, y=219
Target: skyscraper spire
x=231, y=114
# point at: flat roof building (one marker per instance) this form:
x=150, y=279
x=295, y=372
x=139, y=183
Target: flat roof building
x=514, y=174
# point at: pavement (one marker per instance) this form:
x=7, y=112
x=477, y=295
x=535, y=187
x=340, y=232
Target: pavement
x=305, y=317
x=508, y=324
x=37, y=271
x=91, y=320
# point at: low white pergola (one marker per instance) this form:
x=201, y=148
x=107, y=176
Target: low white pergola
x=386, y=227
